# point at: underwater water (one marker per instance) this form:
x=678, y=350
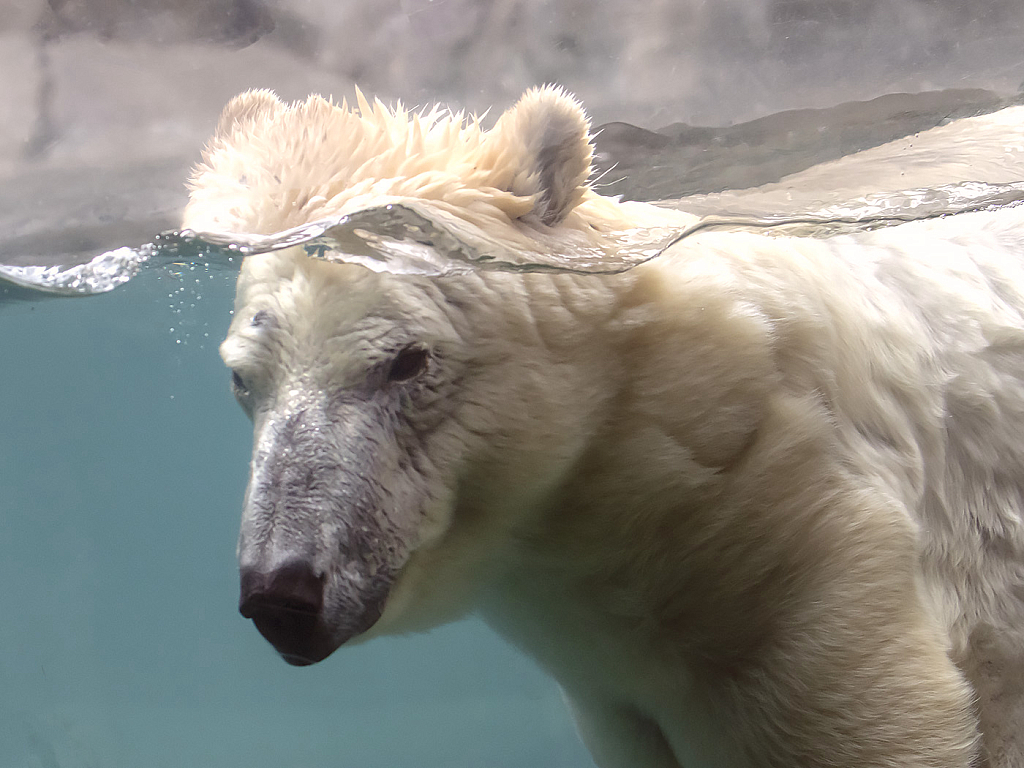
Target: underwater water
x=123, y=461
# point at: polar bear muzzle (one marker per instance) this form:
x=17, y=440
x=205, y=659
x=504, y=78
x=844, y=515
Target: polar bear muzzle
x=319, y=547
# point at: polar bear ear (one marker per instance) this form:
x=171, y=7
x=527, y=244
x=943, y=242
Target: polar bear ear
x=246, y=109
x=548, y=135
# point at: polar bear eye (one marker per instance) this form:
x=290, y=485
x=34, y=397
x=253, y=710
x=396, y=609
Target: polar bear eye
x=238, y=385
x=408, y=363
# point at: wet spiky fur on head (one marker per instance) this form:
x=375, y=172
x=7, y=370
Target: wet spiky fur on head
x=318, y=159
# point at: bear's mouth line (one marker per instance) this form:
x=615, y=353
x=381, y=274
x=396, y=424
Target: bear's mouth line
x=297, y=660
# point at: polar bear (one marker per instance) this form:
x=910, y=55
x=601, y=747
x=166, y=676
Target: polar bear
x=756, y=502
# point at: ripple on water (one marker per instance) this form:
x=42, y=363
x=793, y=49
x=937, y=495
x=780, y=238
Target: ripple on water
x=407, y=240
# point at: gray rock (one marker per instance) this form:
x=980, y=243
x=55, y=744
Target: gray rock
x=19, y=90
x=681, y=159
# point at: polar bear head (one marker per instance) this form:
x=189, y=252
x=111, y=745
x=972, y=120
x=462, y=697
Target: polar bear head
x=405, y=428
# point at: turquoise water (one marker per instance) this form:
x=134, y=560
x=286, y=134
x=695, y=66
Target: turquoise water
x=123, y=460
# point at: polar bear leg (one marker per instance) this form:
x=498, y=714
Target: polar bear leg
x=619, y=737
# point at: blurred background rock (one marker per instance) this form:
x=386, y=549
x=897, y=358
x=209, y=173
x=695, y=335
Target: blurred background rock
x=107, y=103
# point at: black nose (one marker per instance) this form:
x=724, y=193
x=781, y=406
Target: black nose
x=285, y=605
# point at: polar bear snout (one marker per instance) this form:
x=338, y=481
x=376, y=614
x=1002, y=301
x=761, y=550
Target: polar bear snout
x=321, y=540
x=285, y=604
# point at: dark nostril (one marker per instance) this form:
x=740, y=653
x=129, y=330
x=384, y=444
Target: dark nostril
x=292, y=587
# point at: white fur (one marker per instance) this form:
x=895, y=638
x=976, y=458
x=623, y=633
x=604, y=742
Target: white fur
x=755, y=503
